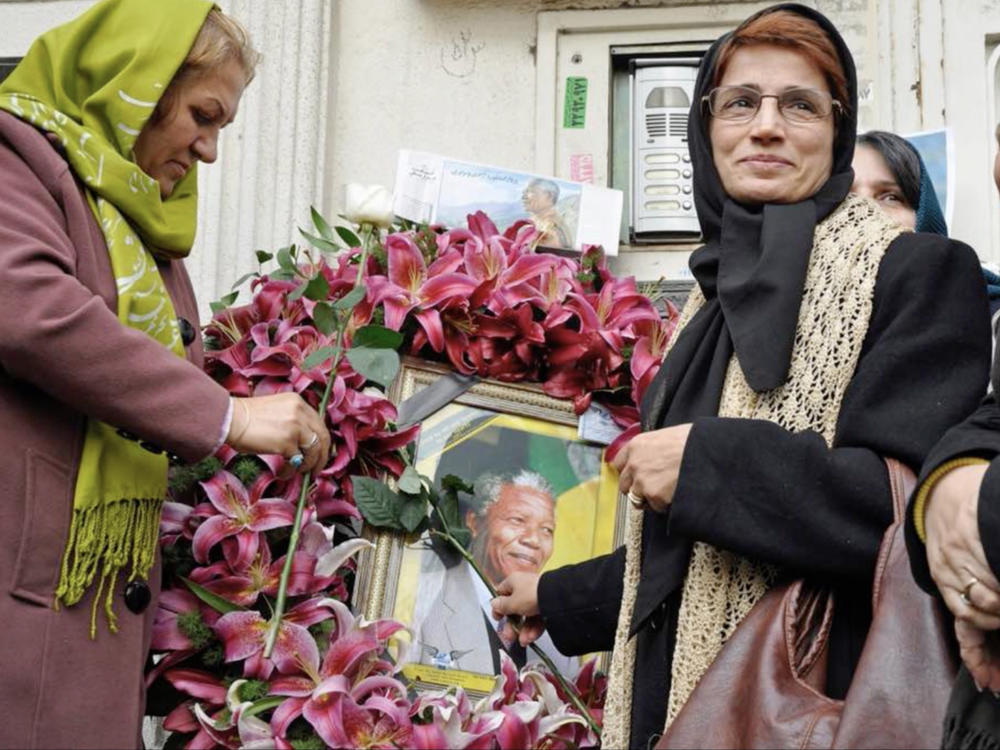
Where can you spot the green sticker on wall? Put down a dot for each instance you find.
(575, 107)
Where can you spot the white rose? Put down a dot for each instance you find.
(368, 204)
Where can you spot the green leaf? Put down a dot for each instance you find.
(286, 259)
(297, 291)
(456, 484)
(244, 277)
(349, 300)
(349, 237)
(263, 256)
(414, 511)
(462, 535)
(214, 601)
(319, 243)
(318, 288)
(324, 318)
(318, 357)
(447, 505)
(379, 505)
(224, 302)
(264, 704)
(377, 337)
(378, 365)
(409, 482)
(321, 224)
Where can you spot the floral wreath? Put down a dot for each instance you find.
(232, 667)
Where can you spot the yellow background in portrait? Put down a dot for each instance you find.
(585, 513)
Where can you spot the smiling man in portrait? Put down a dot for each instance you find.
(512, 521)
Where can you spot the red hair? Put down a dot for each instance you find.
(784, 28)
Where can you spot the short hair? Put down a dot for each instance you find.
(221, 40)
(545, 186)
(902, 160)
(487, 488)
(784, 28)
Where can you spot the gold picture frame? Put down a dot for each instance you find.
(498, 429)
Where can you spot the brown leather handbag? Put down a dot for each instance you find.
(765, 688)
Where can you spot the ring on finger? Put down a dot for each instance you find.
(296, 460)
(312, 442)
(638, 502)
(964, 596)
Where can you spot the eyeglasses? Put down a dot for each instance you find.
(741, 104)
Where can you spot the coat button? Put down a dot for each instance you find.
(187, 331)
(137, 596)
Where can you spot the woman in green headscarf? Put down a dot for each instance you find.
(101, 127)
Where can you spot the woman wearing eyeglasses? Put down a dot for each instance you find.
(811, 348)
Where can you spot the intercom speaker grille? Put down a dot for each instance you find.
(656, 125)
(679, 126)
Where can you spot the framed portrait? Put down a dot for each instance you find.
(543, 498)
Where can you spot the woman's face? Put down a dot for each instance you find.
(166, 149)
(768, 159)
(873, 179)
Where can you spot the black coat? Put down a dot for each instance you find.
(756, 489)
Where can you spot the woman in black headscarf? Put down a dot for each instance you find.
(811, 348)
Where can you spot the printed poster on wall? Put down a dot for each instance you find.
(435, 189)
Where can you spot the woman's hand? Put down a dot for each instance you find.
(517, 595)
(282, 423)
(650, 463)
(955, 552)
(979, 652)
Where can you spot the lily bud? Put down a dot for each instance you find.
(368, 204)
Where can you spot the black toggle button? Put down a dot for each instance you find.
(137, 596)
(187, 331)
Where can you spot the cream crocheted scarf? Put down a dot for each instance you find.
(721, 587)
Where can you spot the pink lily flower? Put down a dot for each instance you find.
(412, 284)
(240, 513)
(172, 605)
(346, 707)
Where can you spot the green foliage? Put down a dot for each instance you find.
(253, 690)
(216, 602)
(322, 632)
(413, 512)
(301, 736)
(318, 357)
(223, 302)
(378, 365)
(321, 224)
(248, 468)
(263, 257)
(379, 505)
(194, 628)
(213, 656)
(349, 300)
(323, 245)
(409, 482)
(377, 337)
(324, 318)
(185, 476)
(350, 238)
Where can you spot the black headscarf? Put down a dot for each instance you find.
(752, 266)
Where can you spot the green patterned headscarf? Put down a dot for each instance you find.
(93, 84)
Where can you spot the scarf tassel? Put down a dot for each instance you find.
(103, 540)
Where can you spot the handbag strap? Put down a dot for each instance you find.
(901, 482)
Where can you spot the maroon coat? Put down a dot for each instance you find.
(64, 356)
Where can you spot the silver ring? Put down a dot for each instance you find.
(637, 502)
(965, 599)
(312, 441)
(296, 460)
